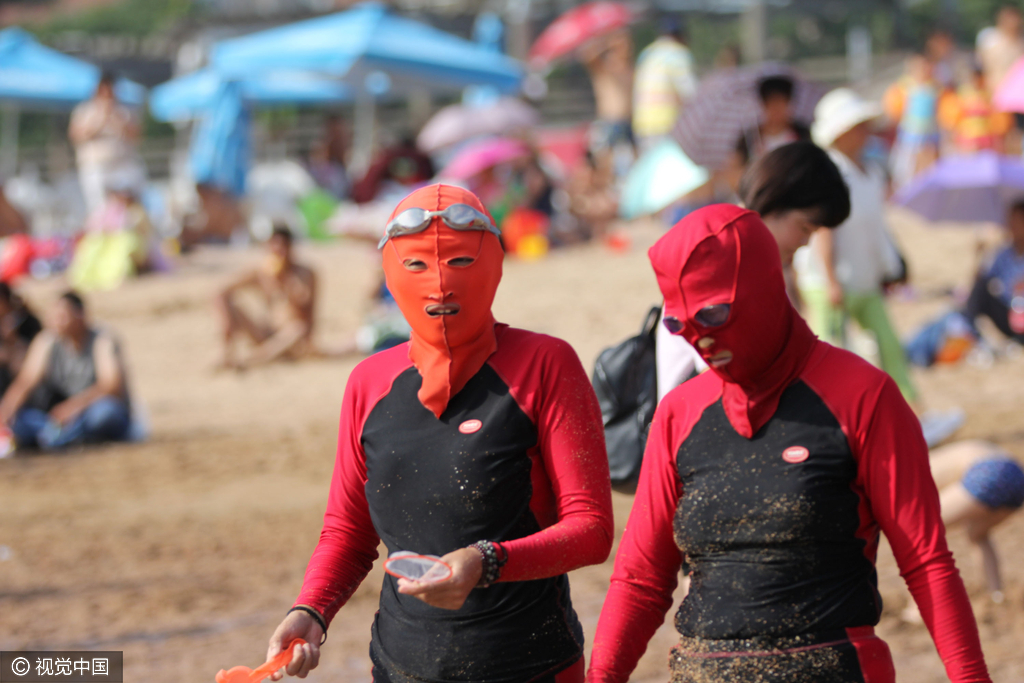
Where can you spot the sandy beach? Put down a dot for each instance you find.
(186, 551)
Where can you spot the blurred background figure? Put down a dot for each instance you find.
(609, 62)
(11, 220)
(1000, 47)
(218, 218)
(18, 327)
(797, 189)
(396, 170)
(913, 103)
(980, 486)
(592, 195)
(950, 65)
(998, 290)
(973, 122)
(119, 241)
(72, 387)
(665, 81)
(777, 126)
(328, 156)
(845, 268)
(287, 291)
(104, 133)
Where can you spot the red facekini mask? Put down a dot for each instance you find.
(720, 256)
(444, 281)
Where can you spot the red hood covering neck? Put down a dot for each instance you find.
(447, 350)
(723, 254)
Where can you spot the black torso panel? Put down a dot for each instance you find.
(769, 526)
(436, 485)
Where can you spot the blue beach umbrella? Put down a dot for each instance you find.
(190, 96)
(371, 49)
(33, 76)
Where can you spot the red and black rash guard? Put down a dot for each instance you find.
(781, 530)
(516, 457)
(773, 478)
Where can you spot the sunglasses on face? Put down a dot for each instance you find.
(714, 315)
(456, 217)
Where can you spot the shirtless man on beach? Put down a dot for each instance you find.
(289, 290)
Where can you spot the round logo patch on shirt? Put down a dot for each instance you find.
(470, 426)
(795, 454)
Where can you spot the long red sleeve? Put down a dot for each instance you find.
(648, 561)
(348, 542)
(893, 470)
(548, 381)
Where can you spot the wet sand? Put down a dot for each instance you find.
(186, 551)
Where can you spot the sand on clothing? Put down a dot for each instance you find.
(185, 552)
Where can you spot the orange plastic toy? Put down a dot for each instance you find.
(243, 674)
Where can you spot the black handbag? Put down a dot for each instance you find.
(625, 381)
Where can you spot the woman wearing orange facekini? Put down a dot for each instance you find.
(476, 442)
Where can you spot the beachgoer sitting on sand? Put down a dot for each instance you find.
(18, 327)
(289, 290)
(71, 388)
(998, 291)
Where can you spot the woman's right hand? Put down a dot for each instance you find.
(297, 624)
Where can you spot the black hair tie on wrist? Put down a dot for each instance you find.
(494, 558)
(316, 617)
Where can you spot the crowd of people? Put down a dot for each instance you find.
(774, 461)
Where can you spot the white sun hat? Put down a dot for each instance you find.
(839, 111)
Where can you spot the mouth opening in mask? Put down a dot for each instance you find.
(438, 310)
(720, 359)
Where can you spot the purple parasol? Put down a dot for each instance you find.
(976, 188)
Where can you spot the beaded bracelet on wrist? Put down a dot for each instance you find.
(494, 558)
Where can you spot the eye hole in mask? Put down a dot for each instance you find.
(414, 265)
(714, 315)
(461, 261)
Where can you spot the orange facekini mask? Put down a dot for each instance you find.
(444, 280)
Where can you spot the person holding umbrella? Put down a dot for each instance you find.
(476, 442)
(772, 476)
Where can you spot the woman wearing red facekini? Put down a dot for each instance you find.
(476, 442)
(773, 475)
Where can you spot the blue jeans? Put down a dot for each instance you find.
(105, 419)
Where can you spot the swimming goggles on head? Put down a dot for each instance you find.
(714, 315)
(456, 217)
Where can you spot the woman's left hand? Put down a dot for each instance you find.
(467, 567)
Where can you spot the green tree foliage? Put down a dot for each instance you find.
(129, 17)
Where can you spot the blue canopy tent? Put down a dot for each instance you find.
(377, 53)
(33, 76)
(221, 148)
(367, 39)
(190, 96)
